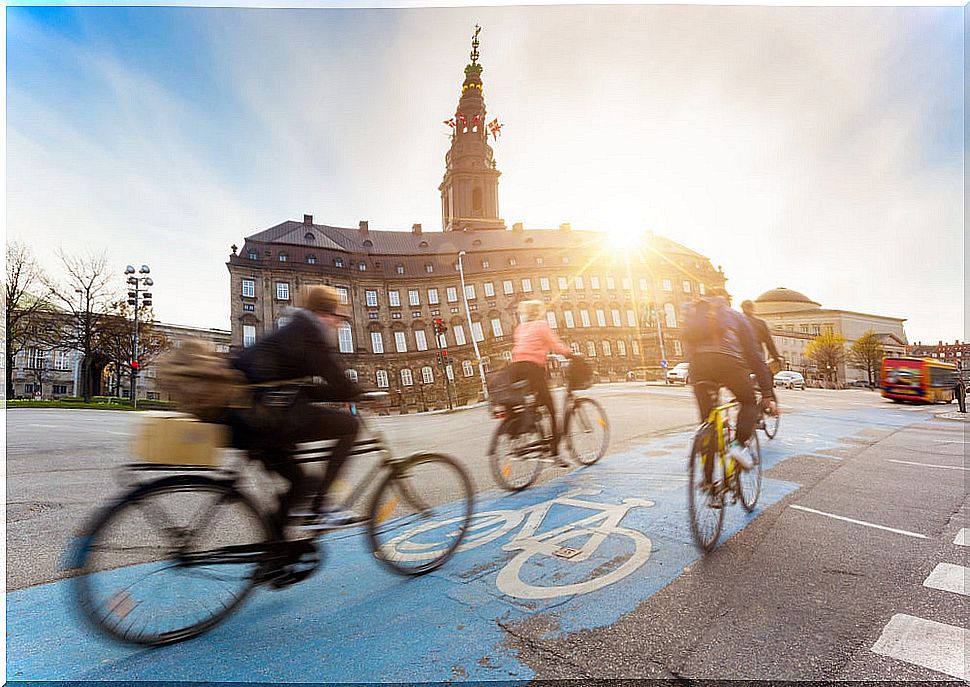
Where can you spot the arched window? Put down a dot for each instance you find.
(311, 259)
(670, 315)
(467, 369)
(406, 378)
(309, 236)
(382, 379)
(427, 375)
(352, 375)
(345, 338)
(368, 244)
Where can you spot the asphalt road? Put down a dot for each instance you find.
(850, 568)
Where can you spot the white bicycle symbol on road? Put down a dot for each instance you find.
(423, 541)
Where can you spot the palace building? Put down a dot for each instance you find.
(617, 307)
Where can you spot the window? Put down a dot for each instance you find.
(621, 347)
(635, 347)
(427, 375)
(249, 288)
(507, 287)
(670, 315)
(667, 286)
(406, 378)
(513, 262)
(36, 358)
(578, 282)
(594, 282)
(284, 257)
(371, 298)
(311, 259)
(429, 268)
(338, 262)
(382, 379)
(484, 264)
(433, 296)
(60, 389)
(489, 289)
(610, 283)
(701, 289)
(606, 349)
(627, 284)
(544, 283)
(565, 259)
(459, 334)
(452, 294)
(527, 286)
(686, 286)
(678, 350)
(361, 266)
(497, 326)
(376, 342)
(469, 291)
(414, 297)
(400, 342)
(631, 318)
(352, 375)
(591, 349)
(450, 372)
(399, 269)
(345, 338)
(249, 307)
(253, 255)
(617, 318)
(62, 360)
(574, 347)
(394, 298)
(421, 339)
(477, 333)
(249, 335)
(567, 315)
(467, 369)
(282, 291)
(551, 319)
(563, 283)
(584, 317)
(539, 261)
(644, 286)
(600, 318)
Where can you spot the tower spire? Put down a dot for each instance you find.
(469, 190)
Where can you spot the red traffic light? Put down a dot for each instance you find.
(134, 364)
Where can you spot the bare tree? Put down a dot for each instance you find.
(827, 351)
(866, 353)
(26, 305)
(87, 295)
(116, 339)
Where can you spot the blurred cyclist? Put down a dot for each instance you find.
(763, 336)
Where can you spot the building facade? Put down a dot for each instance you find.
(614, 306)
(957, 352)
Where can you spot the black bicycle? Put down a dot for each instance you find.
(521, 444)
(173, 556)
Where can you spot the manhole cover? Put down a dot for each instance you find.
(566, 552)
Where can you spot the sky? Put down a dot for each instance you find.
(820, 149)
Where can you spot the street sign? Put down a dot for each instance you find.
(663, 364)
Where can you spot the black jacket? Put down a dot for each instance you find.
(763, 335)
(298, 350)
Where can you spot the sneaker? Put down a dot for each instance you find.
(741, 455)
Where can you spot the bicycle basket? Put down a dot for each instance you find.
(579, 375)
(502, 393)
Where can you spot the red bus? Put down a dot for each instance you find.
(921, 380)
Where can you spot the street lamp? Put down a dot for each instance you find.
(655, 314)
(471, 329)
(137, 297)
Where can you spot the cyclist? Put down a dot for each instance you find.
(533, 340)
(722, 349)
(763, 336)
(301, 348)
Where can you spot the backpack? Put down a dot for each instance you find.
(706, 324)
(202, 382)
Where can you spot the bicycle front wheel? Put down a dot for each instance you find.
(705, 505)
(749, 481)
(168, 561)
(420, 513)
(516, 456)
(587, 431)
(770, 425)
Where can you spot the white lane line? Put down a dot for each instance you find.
(926, 643)
(962, 538)
(949, 578)
(859, 522)
(927, 465)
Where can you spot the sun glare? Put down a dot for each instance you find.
(624, 238)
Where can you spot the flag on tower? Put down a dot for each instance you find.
(450, 122)
(495, 128)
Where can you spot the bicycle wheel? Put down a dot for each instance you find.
(704, 505)
(515, 456)
(587, 431)
(769, 423)
(749, 481)
(420, 513)
(168, 561)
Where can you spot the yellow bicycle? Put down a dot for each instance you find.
(713, 477)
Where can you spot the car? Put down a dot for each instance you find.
(679, 373)
(790, 380)
(858, 384)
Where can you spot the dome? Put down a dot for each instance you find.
(782, 300)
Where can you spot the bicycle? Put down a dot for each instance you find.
(713, 477)
(174, 556)
(520, 445)
(767, 422)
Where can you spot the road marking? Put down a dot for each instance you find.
(926, 643)
(859, 522)
(961, 538)
(949, 578)
(927, 465)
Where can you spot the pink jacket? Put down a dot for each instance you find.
(534, 340)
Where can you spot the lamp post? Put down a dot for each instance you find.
(137, 297)
(468, 314)
(650, 311)
(77, 341)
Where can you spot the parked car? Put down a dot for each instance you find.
(858, 384)
(790, 380)
(679, 374)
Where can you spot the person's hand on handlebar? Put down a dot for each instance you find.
(771, 406)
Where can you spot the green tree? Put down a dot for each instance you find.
(827, 351)
(866, 353)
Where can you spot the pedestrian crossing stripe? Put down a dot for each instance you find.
(962, 539)
(926, 643)
(949, 578)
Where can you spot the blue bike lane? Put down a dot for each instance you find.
(353, 621)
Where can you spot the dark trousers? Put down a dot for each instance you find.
(271, 435)
(961, 395)
(725, 370)
(536, 376)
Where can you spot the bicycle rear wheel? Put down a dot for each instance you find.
(515, 456)
(705, 507)
(749, 481)
(587, 431)
(420, 513)
(168, 561)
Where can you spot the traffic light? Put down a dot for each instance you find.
(134, 366)
(437, 358)
(439, 326)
